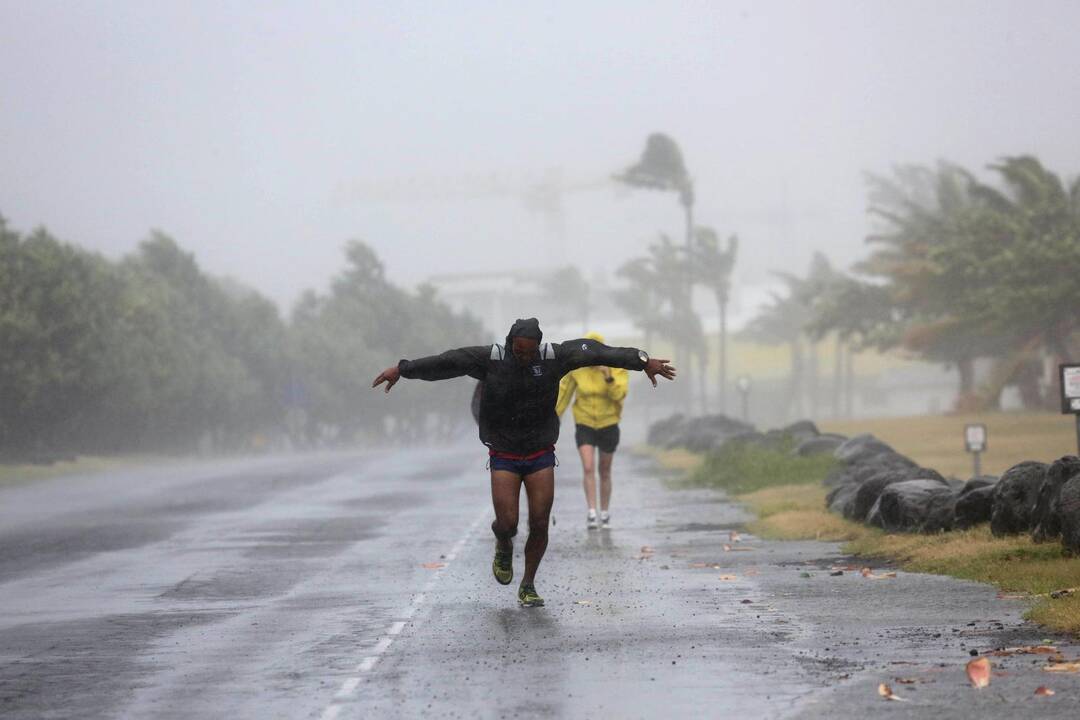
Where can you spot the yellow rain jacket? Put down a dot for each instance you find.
(598, 403)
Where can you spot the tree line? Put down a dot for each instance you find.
(150, 353)
(959, 270)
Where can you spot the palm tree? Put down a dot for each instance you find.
(711, 266)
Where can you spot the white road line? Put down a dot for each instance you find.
(349, 685)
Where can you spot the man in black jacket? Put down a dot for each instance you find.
(519, 425)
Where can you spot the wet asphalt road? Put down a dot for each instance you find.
(357, 586)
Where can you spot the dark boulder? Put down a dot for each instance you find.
(840, 498)
(861, 448)
(973, 507)
(870, 490)
(664, 433)
(924, 505)
(1014, 498)
(1069, 515)
(710, 432)
(859, 472)
(800, 431)
(1046, 525)
(978, 482)
(819, 445)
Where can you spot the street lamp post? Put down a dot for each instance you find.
(743, 386)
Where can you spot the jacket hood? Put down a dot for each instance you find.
(524, 327)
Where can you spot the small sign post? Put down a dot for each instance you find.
(1070, 394)
(743, 385)
(975, 443)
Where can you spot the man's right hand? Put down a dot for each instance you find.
(390, 376)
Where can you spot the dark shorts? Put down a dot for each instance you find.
(607, 439)
(523, 467)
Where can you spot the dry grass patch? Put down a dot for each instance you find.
(806, 525)
(797, 512)
(936, 441)
(1063, 614)
(677, 459)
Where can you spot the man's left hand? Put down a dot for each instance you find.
(656, 366)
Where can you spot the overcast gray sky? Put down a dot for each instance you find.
(263, 135)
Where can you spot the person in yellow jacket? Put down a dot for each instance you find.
(598, 393)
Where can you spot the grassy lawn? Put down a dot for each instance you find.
(787, 496)
(19, 473)
(937, 441)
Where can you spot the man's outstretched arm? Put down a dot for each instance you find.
(583, 352)
(450, 364)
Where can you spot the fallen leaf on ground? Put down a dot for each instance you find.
(1065, 592)
(733, 536)
(699, 565)
(906, 681)
(583, 602)
(727, 548)
(646, 550)
(886, 692)
(978, 672)
(433, 566)
(1043, 690)
(868, 574)
(751, 572)
(1063, 667)
(729, 577)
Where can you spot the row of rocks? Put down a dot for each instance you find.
(712, 432)
(876, 485)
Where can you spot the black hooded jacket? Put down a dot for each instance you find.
(517, 406)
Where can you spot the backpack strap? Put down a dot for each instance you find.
(547, 351)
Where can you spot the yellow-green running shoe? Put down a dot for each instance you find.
(503, 566)
(528, 598)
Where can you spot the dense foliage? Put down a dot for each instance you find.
(151, 353)
(961, 269)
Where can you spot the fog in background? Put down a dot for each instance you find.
(262, 136)
(372, 170)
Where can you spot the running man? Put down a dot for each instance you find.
(519, 426)
(598, 393)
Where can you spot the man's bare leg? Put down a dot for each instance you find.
(587, 454)
(505, 493)
(540, 489)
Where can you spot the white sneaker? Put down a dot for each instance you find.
(591, 521)
(605, 521)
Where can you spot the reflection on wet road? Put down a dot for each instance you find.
(360, 586)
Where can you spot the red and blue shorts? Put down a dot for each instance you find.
(522, 464)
